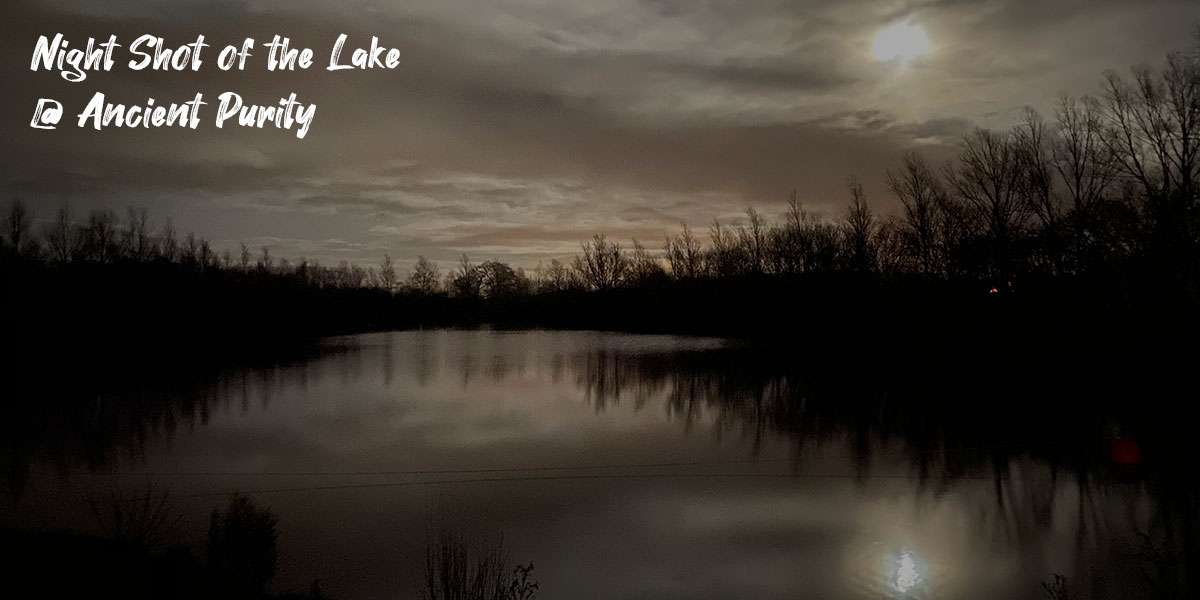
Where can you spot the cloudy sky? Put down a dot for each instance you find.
(513, 129)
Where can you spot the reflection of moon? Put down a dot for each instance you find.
(902, 42)
(893, 570)
(906, 572)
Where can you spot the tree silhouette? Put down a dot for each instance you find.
(456, 569)
(424, 278)
(602, 265)
(1155, 120)
(685, 255)
(498, 280)
(147, 520)
(860, 229)
(643, 267)
(988, 178)
(923, 199)
(1085, 164)
(169, 248)
(556, 277)
(241, 545)
(59, 236)
(16, 229)
(466, 282)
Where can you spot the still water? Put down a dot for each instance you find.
(621, 466)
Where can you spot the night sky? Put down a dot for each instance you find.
(514, 129)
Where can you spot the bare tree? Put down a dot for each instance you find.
(387, 274)
(603, 265)
(1156, 120)
(242, 545)
(921, 194)
(100, 235)
(466, 281)
(804, 242)
(726, 256)
(860, 229)
(1155, 123)
(170, 245)
(16, 227)
(555, 277)
(685, 255)
(643, 266)
(498, 280)
(1083, 157)
(988, 179)
(1084, 162)
(205, 257)
(60, 236)
(425, 276)
(458, 570)
(358, 276)
(1031, 140)
(191, 250)
(891, 253)
(265, 263)
(146, 519)
(754, 240)
(135, 240)
(787, 242)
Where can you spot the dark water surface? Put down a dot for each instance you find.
(625, 466)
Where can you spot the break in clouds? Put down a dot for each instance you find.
(514, 129)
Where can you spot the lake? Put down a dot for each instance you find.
(622, 466)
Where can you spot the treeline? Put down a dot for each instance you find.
(141, 552)
(1102, 193)
(104, 238)
(1105, 190)
(104, 288)
(1096, 203)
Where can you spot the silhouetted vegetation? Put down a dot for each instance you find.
(145, 520)
(1090, 211)
(241, 547)
(127, 560)
(479, 569)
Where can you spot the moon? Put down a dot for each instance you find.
(901, 42)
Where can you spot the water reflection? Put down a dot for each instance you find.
(907, 576)
(635, 466)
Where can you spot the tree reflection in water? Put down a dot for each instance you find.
(1052, 443)
(1046, 442)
